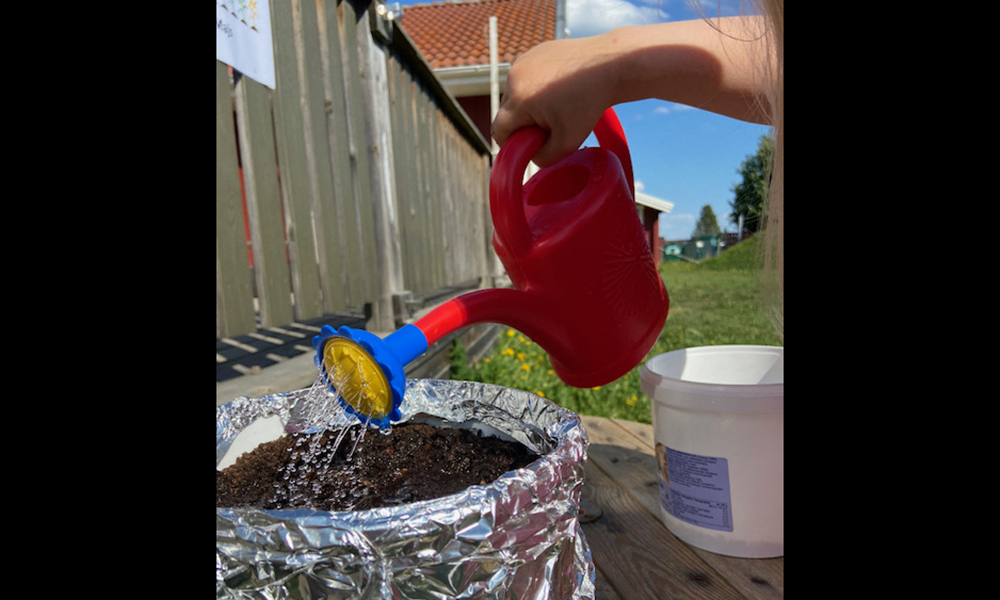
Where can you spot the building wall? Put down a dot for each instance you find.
(478, 109)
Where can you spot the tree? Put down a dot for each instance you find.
(751, 192)
(707, 223)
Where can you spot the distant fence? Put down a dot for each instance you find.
(357, 181)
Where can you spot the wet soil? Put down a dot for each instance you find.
(412, 462)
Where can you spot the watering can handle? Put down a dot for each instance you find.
(611, 136)
(506, 182)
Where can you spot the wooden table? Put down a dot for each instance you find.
(636, 556)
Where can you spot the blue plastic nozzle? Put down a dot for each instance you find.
(366, 372)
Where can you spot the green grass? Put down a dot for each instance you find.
(717, 301)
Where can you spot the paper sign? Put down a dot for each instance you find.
(243, 38)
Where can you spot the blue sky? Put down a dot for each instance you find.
(683, 155)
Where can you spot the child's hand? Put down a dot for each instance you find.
(563, 87)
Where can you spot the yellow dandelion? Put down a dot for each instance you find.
(596, 387)
(511, 333)
(521, 339)
(508, 352)
(551, 372)
(631, 401)
(525, 367)
(520, 356)
(540, 393)
(487, 360)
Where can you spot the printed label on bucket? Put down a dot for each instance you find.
(695, 489)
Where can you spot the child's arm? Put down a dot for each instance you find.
(564, 86)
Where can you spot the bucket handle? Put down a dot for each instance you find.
(506, 181)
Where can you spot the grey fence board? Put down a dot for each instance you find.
(354, 230)
(234, 293)
(263, 201)
(359, 146)
(378, 127)
(296, 158)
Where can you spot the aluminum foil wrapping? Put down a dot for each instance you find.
(518, 537)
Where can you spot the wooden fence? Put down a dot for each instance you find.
(356, 182)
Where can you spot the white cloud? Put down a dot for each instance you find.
(676, 226)
(592, 17)
(670, 108)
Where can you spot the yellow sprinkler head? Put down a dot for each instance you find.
(366, 372)
(356, 376)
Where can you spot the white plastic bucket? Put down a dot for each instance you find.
(718, 422)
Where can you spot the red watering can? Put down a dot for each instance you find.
(585, 285)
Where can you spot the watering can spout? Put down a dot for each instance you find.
(585, 350)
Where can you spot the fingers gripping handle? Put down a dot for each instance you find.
(506, 181)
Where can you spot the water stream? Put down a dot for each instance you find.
(322, 414)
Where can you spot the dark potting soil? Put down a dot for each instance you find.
(412, 462)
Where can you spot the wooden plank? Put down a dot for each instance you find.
(348, 242)
(325, 210)
(234, 292)
(629, 461)
(256, 136)
(426, 252)
(407, 158)
(477, 204)
(400, 161)
(603, 590)
(624, 449)
(367, 266)
(493, 265)
(429, 179)
(293, 148)
(642, 431)
(479, 166)
(378, 128)
(637, 555)
(456, 224)
(445, 197)
(437, 231)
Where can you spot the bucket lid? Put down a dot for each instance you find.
(729, 378)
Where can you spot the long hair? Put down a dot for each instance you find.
(770, 71)
(774, 250)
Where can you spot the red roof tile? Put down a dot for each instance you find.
(453, 34)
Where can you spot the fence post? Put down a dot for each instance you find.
(373, 65)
